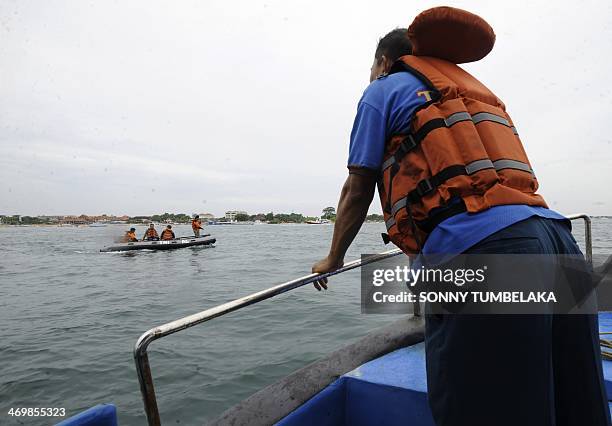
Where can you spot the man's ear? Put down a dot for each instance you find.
(387, 64)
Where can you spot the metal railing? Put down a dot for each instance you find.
(141, 357)
(588, 237)
(140, 350)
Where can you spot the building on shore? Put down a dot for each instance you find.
(231, 214)
(75, 220)
(140, 219)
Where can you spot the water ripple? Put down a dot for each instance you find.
(71, 316)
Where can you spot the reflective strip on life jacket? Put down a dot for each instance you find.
(487, 116)
(478, 165)
(400, 204)
(426, 186)
(512, 164)
(457, 117)
(387, 163)
(413, 140)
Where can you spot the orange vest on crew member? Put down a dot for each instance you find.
(463, 153)
(151, 233)
(129, 236)
(167, 234)
(196, 224)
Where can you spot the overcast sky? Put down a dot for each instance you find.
(138, 107)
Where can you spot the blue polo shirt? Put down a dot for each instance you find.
(386, 108)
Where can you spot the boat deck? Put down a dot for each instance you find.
(385, 389)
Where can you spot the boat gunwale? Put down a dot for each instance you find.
(297, 388)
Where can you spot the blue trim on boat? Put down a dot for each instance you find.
(605, 325)
(388, 390)
(383, 391)
(100, 415)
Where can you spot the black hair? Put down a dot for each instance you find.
(394, 45)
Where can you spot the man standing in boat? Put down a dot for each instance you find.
(196, 225)
(453, 178)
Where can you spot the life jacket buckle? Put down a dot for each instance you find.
(409, 143)
(424, 187)
(385, 237)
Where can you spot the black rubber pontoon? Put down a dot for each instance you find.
(180, 242)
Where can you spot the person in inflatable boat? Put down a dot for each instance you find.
(130, 236)
(196, 225)
(150, 234)
(168, 233)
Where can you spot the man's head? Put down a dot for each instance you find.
(169, 227)
(390, 48)
(132, 229)
(152, 225)
(196, 217)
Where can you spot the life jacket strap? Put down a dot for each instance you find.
(412, 140)
(428, 225)
(428, 185)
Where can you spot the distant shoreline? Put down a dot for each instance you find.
(159, 223)
(54, 225)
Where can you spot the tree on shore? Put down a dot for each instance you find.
(329, 213)
(241, 217)
(375, 217)
(171, 217)
(10, 220)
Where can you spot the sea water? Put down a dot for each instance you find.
(70, 316)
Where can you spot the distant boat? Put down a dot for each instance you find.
(318, 221)
(97, 225)
(219, 222)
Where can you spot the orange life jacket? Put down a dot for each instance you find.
(129, 236)
(196, 224)
(167, 234)
(462, 153)
(151, 232)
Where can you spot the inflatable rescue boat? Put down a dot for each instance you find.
(180, 242)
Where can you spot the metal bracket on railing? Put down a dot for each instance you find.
(140, 350)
